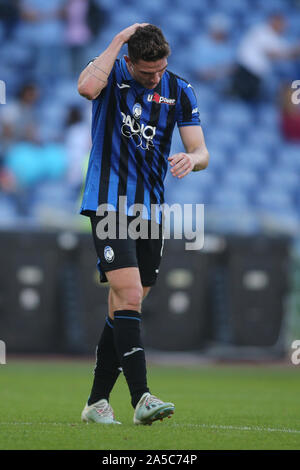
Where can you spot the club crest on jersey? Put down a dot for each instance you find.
(109, 254)
(137, 110)
(160, 99)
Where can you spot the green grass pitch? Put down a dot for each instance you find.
(217, 407)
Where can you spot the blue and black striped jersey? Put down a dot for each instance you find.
(132, 129)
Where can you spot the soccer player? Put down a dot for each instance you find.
(136, 104)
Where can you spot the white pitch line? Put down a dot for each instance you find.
(241, 428)
(207, 426)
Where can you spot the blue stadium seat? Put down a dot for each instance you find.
(289, 157)
(53, 112)
(234, 221)
(191, 196)
(218, 158)
(65, 93)
(8, 211)
(2, 32)
(229, 198)
(252, 158)
(283, 179)
(268, 117)
(275, 5)
(205, 95)
(125, 16)
(233, 6)
(264, 137)
(241, 178)
(226, 139)
(274, 200)
(16, 54)
(54, 194)
(234, 114)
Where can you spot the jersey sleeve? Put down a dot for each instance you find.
(188, 113)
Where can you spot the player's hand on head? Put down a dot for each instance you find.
(181, 164)
(128, 32)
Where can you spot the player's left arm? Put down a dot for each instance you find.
(195, 157)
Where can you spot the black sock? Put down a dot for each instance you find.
(131, 352)
(107, 368)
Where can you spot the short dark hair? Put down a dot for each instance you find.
(148, 43)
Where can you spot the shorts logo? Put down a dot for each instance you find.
(160, 99)
(137, 110)
(109, 254)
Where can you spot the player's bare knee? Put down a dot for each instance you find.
(129, 298)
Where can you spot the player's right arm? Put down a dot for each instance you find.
(94, 77)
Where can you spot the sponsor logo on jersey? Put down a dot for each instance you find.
(141, 134)
(160, 99)
(109, 254)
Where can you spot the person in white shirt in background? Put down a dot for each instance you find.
(259, 48)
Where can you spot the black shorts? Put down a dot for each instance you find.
(115, 253)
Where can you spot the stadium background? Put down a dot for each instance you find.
(237, 298)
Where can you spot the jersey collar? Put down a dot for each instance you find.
(125, 73)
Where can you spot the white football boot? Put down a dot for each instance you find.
(150, 409)
(99, 412)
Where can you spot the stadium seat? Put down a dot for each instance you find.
(233, 6)
(65, 93)
(241, 178)
(283, 179)
(236, 221)
(264, 137)
(268, 116)
(289, 157)
(8, 211)
(253, 159)
(273, 199)
(275, 5)
(229, 198)
(234, 114)
(226, 139)
(16, 54)
(218, 158)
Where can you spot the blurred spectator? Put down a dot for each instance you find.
(290, 114)
(77, 145)
(9, 15)
(214, 54)
(97, 17)
(43, 29)
(78, 33)
(261, 45)
(20, 119)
